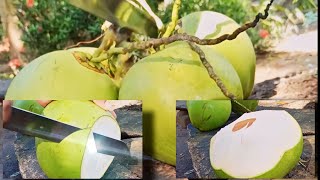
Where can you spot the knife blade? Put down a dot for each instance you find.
(36, 125)
(133, 14)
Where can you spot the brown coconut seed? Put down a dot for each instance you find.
(245, 123)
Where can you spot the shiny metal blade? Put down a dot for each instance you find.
(114, 147)
(36, 125)
(31, 124)
(123, 13)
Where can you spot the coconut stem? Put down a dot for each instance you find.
(185, 37)
(210, 70)
(174, 18)
(108, 39)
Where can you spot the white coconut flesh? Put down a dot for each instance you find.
(95, 164)
(254, 143)
(204, 28)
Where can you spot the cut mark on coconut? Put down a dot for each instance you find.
(245, 123)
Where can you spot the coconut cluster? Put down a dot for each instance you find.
(171, 74)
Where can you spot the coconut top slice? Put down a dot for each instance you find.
(254, 143)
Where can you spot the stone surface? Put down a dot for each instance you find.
(124, 168)
(26, 154)
(184, 167)
(20, 155)
(116, 104)
(130, 121)
(8, 156)
(196, 163)
(181, 105)
(182, 118)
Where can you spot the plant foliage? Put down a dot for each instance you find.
(52, 25)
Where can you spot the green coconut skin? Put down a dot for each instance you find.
(239, 52)
(166, 76)
(29, 105)
(58, 75)
(284, 166)
(207, 115)
(64, 159)
(249, 104)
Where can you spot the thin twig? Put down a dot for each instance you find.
(84, 42)
(210, 70)
(185, 37)
(247, 110)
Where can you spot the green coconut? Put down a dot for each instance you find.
(261, 144)
(29, 105)
(207, 115)
(76, 156)
(58, 75)
(239, 52)
(242, 106)
(169, 75)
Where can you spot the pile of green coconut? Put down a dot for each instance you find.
(156, 75)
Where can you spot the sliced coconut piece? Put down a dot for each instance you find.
(76, 155)
(94, 164)
(259, 144)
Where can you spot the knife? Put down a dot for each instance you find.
(133, 14)
(36, 125)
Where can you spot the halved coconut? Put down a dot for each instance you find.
(262, 144)
(76, 156)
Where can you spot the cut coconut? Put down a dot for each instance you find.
(94, 164)
(262, 144)
(76, 156)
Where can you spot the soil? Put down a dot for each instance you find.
(286, 75)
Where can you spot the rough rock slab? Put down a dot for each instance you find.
(198, 146)
(26, 154)
(22, 149)
(181, 105)
(127, 168)
(8, 157)
(184, 167)
(130, 120)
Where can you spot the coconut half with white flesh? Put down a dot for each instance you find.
(261, 144)
(76, 156)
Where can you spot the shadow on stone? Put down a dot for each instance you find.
(265, 89)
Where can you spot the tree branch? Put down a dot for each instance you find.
(185, 37)
(210, 70)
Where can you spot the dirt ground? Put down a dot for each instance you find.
(286, 75)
